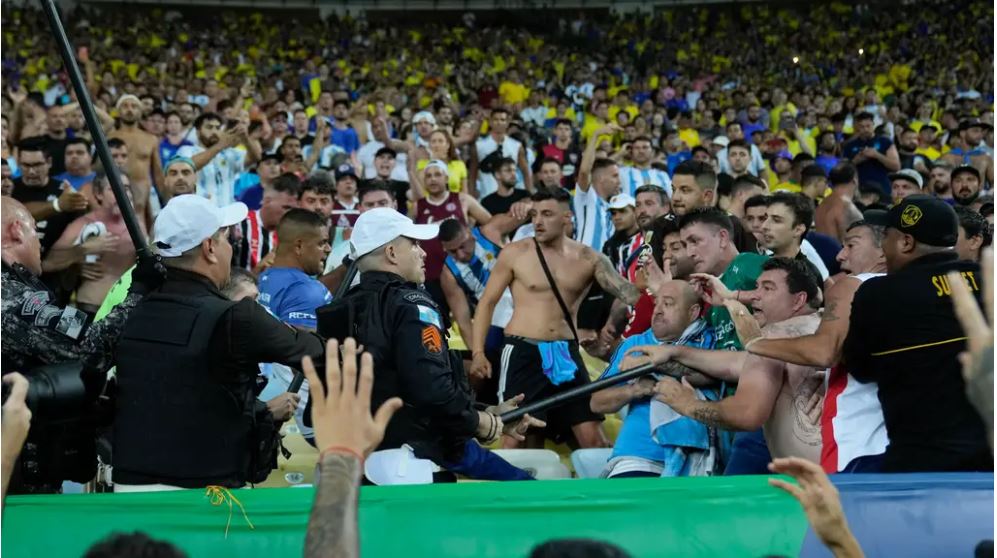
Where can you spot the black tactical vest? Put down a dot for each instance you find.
(174, 422)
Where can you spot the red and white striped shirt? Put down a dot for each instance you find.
(852, 423)
(256, 241)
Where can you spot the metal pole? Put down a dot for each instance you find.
(93, 124)
(580, 391)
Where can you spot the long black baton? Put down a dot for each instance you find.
(578, 392)
(90, 115)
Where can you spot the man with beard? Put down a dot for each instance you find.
(694, 186)
(965, 184)
(540, 323)
(874, 156)
(652, 202)
(907, 149)
(852, 428)
(906, 182)
(144, 166)
(267, 170)
(219, 162)
(971, 152)
(502, 199)
(827, 148)
(784, 399)
(940, 181)
(640, 171)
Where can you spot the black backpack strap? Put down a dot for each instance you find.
(557, 293)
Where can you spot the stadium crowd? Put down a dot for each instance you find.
(774, 207)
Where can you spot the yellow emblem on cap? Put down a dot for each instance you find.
(911, 215)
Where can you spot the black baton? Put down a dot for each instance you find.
(90, 115)
(577, 392)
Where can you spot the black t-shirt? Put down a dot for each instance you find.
(50, 229)
(57, 151)
(903, 334)
(398, 187)
(496, 204)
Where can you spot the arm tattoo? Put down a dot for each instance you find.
(829, 315)
(332, 526)
(610, 280)
(709, 414)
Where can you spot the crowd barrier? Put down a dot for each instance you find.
(892, 515)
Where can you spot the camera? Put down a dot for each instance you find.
(57, 391)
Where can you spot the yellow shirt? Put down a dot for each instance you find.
(929, 152)
(513, 93)
(592, 123)
(690, 136)
(632, 110)
(457, 173)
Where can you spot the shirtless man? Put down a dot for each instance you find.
(538, 324)
(144, 167)
(782, 398)
(837, 212)
(100, 272)
(852, 427)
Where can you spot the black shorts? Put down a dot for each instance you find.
(594, 309)
(521, 371)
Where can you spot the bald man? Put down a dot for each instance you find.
(36, 332)
(636, 452)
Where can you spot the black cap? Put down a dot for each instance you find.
(345, 170)
(271, 156)
(970, 123)
(386, 151)
(929, 220)
(966, 169)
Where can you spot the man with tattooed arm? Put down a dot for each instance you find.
(783, 398)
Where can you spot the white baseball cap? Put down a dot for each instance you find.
(379, 226)
(188, 220)
(722, 141)
(424, 115)
(621, 201)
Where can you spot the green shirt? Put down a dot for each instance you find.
(116, 295)
(740, 275)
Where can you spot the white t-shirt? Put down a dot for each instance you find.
(366, 155)
(216, 180)
(325, 158)
(486, 146)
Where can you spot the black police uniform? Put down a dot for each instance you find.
(903, 334)
(186, 408)
(400, 325)
(37, 332)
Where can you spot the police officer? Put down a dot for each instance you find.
(37, 332)
(401, 327)
(187, 413)
(903, 334)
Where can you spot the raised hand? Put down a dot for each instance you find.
(341, 407)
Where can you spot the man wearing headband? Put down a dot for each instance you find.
(143, 154)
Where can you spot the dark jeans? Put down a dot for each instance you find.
(481, 464)
(635, 474)
(749, 455)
